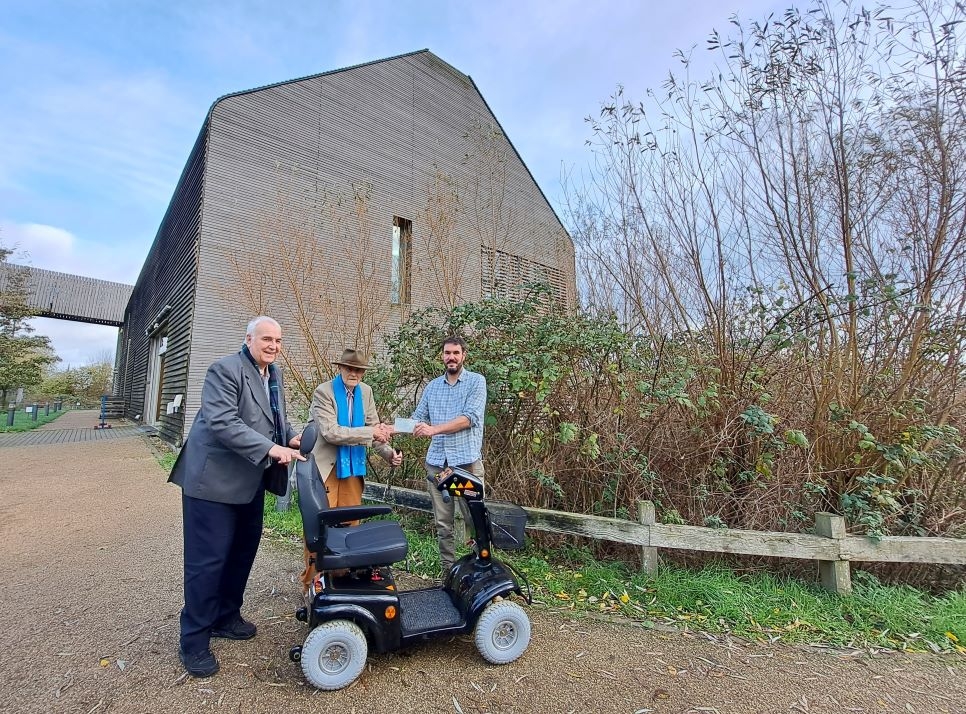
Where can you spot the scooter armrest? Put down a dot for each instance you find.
(335, 516)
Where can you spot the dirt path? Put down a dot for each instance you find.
(90, 589)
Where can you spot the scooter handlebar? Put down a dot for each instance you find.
(441, 489)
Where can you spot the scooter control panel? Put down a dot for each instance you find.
(459, 482)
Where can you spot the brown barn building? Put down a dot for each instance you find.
(337, 203)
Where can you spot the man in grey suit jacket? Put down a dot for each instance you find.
(239, 434)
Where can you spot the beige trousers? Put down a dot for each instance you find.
(444, 514)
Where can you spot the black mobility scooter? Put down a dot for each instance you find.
(353, 603)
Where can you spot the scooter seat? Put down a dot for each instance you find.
(368, 544)
(375, 543)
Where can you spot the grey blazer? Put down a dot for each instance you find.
(226, 451)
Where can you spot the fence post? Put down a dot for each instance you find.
(459, 525)
(33, 414)
(834, 574)
(646, 516)
(283, 503)
(11, 413)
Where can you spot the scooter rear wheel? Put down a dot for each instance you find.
(502, 632)
(334, 654)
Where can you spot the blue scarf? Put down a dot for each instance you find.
(273, 397)
(350, 460)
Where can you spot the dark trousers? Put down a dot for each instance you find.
(220, 543)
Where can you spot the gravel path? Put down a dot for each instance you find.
(90, 589)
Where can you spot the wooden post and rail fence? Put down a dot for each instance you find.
(830, 545)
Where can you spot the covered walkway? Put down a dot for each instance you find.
(75, 425)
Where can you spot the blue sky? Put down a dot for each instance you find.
(101, 100)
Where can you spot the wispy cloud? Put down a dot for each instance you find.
(102, 136)
(75, 343)
(52, 248)
(102, 100)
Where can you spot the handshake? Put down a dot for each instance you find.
(383, 433)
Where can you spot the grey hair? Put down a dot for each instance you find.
(259, 320)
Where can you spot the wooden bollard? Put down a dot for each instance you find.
(646, 516)
(834, 574)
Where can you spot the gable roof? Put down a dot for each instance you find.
(465, 77)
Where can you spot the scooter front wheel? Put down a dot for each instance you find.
(502, 632)
(334, 654)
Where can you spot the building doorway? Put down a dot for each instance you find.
(155, 383)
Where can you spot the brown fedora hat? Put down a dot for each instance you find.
(353, 358)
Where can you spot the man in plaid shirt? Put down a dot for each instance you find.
(450, 412)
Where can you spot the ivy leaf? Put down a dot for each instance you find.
(567, 433)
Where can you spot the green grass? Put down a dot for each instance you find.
(167, 459)
(714, 599)
(284, 523)
(23, 422)
(759, 606)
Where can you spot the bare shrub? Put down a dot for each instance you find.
(334, 298)
(790, 237)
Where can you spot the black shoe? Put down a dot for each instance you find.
(237, 629)
(199, 664)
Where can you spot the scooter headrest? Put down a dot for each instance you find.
(309, 434)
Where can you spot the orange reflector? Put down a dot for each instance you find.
(391, 612)
(485, 553)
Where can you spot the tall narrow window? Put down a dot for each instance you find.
(401, 271)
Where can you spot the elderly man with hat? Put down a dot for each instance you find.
(345, 414)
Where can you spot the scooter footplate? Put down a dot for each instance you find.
(427, 610)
